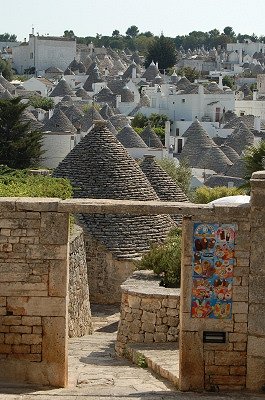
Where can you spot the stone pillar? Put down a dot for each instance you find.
(256, 318)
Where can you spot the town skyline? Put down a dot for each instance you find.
(87, 19)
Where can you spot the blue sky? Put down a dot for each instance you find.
(88, 17)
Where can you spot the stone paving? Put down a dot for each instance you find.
(96, 374)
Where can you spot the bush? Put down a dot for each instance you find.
(165, 259)
(204, 195)
(19, 183)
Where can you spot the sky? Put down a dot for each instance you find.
(89, 17)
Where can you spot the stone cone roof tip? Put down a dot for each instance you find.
(240, 138)
(129, 138)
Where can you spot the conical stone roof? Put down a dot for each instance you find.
(229, 152)
(62, 89)
(7, 85)
(129, 138)
(5, 95)
(197, 143)
(83, 94)
(74, 114)
(106, 112)
(240, 138)
(162, 183)
(119, 121)
(100, 167)
(59, 123)
(214, 159)
(111, 128)
(150, 138)
(238, 169)
(151, 72)
(127, 95)
(129, 70)
(105, 95)
(88, 119)
(94, 77)
(183, 83)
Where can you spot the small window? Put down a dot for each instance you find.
(183, 100)
(31, 56)
(242, 113)
(177, 131)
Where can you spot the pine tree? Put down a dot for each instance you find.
(20, 146)
(163, 51)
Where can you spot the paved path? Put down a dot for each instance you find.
(96, 374)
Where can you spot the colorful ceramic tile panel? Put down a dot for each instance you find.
(212, 270)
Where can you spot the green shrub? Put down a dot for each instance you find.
(19, 183)
(181, 174)
(165, 259)
(204, 194)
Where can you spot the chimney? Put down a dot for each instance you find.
(118, 100)
(32, 31)
(257, 123)
(220, 83)
(167, 134)
(134, 73)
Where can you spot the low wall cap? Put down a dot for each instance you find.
(258, 175)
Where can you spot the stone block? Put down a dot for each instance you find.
(20, 329)
(240, 327)
(35, 348)
(2, 301)
(12, 338)
(256, 289)
(10, 320)
(148, 337)
(240, 307)
(240, 293)
(147, 327)
(255, 373)
(228, 381)
(54, 228)
(256, 319)
(21, 348)
(47, 252)
(230, 358)
(150, 304)
(239, 318)
(188, 323)
(23, 289)
(256, 346)
(191, 375)
(216, 370)
(4, 328)
(134, 301)
(160, 337)
(238, 371)
(240, 346)
(54, 349)
(31, 339)
(41, 306)
(26, 357)
(208, 357)
(37, 204)
(5, 348)
(237, 337)
(30, 321)
(58, 278)
(149, 317)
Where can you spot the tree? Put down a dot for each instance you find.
(190, 73)
(46, 103)
(229, 81)
(255, 158)
(139, 121)
(163, 51)
(69, 34)
(116, 33)
(20, 146)
(7, 37)
(5, 68)
(228, 31)
(132, 31)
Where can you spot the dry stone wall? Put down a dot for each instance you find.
(79, 313)
(105, 272)
(149, 312)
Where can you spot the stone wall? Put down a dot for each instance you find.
(149, 312)
(33, 287)
(79, 313)
(105, 273)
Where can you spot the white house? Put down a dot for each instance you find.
(40, 85)
(42, 52)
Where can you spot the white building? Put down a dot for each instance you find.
(42, 52)
(248, 47)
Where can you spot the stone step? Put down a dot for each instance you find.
(162, 358)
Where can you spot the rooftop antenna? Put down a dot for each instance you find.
(32, 30)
